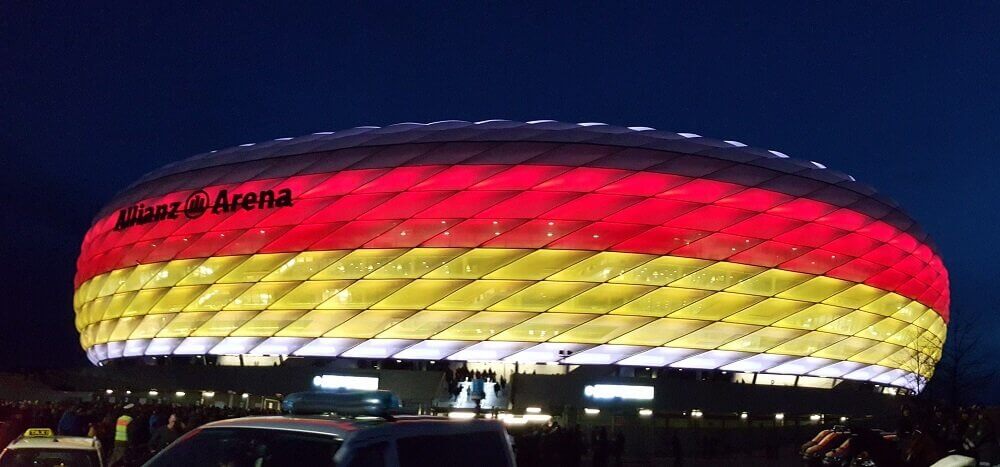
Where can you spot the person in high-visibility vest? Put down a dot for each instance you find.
(121, 435)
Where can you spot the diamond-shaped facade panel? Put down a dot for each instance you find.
(363, 245)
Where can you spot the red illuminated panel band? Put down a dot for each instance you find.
(520, 206)
(506, 241)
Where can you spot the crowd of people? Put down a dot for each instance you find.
(130, 433)
(476, 378)
(938, 430)
(923, 435)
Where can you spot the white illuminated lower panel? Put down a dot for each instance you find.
(279, 346)
(836, 370)
(604, 354)
(92, 356)
(546, 352)
(909, 381)
(101, 351)
(889, 377)
(135, 347)
(801, 366)
(510, 352)
(432, 350)
(327, 347)
(116, 349)
(163, 345)
(757, 363)
(235, 345)
(378, 348)
(659, 356)
(866, 373)
(490, 351)
(710, 360)
(196, 345)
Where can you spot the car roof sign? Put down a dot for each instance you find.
(341, 402)
(39, 433)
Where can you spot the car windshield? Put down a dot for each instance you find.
(49, 458)
(249, 447)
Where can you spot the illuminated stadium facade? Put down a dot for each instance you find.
(507, 241)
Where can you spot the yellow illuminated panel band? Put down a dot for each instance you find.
(459, 240)
(598, 298)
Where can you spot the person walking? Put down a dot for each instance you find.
(121, 436)
(165, 435)
(69, 423)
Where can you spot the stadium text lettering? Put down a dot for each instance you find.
(264, 199)
(199, 203)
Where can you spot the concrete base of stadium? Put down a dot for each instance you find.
(704, 415)
(422, 385)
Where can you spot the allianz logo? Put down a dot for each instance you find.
(200, 203)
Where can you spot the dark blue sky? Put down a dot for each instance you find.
(901, 95)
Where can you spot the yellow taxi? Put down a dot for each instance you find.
(41, 447)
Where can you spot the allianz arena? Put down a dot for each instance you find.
(515, 242)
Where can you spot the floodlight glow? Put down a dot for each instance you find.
(779, 416)
(537, 417)
(815, 417)
(180, 394)
(154, 393)
(245, 395)
(619, 391)
(462, 415)
(590, 411)
(365, 383)
(109, 391)
(533, 410)
(744, 415)
(645, 412)
(696, 413)
(208, 394)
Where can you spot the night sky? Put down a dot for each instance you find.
(902, 96)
